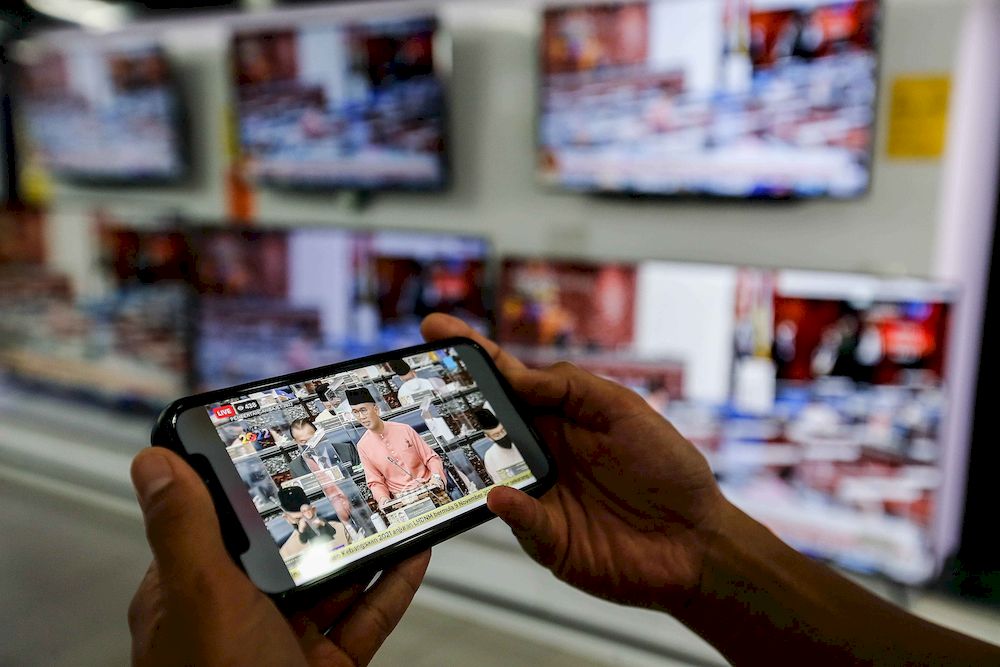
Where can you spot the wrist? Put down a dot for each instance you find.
(745, 568)
(684, 588)
(715, 567)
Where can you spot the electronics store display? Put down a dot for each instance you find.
(819, 399)
(710, 97)
(341, 465)
(101, 109)
(328, 104)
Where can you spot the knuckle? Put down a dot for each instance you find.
(564, 367)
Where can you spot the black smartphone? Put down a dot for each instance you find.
(327, 473)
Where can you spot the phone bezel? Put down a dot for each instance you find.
(182, 428)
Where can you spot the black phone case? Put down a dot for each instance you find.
(164, 434)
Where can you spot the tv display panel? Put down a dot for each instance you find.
(819, 399)
(273, 302)
(122, 345)
(101, 112)
(754, 98)
(342, 105)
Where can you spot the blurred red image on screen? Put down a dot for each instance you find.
(811, 33)
(264, 58)
(585, 38)
(242, 263)
(393, 57)
(408, 287)
(877, 343)
(568, 305)
(145, 256)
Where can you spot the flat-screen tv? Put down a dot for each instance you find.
(124, 344)
(101, 111)
(818, 398)
(751, 99)
(330, 104)
(277, 301)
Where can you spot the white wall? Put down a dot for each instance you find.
(495, 192)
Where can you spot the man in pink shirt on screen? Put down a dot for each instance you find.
(394, 456)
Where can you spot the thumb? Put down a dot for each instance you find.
(530, 522)
(181, 525)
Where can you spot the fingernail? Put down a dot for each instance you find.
(151, 472)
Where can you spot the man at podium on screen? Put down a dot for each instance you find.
(393, 454)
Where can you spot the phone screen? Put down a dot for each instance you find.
(341, 466)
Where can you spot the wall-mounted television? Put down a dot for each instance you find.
(101, 110)
(124, 344)
(818, 398)
(771, 99)
(335, 104)
(276, 301)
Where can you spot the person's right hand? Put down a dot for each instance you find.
(635, 507)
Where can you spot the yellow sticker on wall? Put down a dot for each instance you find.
(918, 117)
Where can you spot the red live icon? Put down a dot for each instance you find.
(224, 411)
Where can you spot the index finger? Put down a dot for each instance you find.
(439, 326)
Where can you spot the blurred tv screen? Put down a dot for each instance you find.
(817, 398)
(122, 343)
(273, 302)
(747, 98)
(101, 112)
(197, 307)
(342, 104)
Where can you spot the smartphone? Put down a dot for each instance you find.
(323, 474)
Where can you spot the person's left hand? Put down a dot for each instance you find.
(196, 607)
